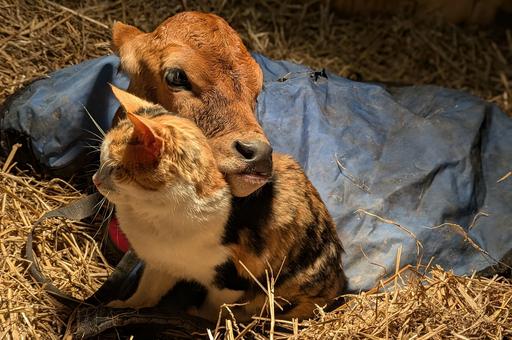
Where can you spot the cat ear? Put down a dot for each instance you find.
(128, 101)
(143, 128)
(122, 33)
(144, 131)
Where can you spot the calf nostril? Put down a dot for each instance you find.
(247, 150)
(257, 154)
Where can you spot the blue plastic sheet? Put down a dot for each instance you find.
(395, 166)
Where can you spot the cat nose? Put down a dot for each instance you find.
(257, 154)
(96, 180)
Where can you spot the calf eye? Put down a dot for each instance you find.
(177, 79)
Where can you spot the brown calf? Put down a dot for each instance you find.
(196, 64)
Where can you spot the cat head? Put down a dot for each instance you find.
(152, 155)
(196, 65)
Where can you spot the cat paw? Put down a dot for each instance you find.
(118, 304)
(194, 311)
(132, 303)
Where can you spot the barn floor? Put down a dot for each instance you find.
(37, 37)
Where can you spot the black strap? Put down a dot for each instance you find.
(75, 211)
(151, 323)
(90, 317)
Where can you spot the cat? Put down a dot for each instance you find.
(177, 211)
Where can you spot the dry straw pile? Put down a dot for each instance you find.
(408, 305)
(37, 37)
(67, 251)
(439, 306)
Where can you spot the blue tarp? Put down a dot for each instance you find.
(394, 165)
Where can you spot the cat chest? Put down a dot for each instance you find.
(190, 255)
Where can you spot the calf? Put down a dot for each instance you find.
(196, 66)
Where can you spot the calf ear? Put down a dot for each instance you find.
(121, 33)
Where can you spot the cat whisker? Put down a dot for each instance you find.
(110, 209)
(94, 142)
(106, 217)
(110, 212)
(105, 164)
(92, 149)
(98, 137)
(90, 172)
(92, 152)
(92, 146)
(94, 121)
(99, 205)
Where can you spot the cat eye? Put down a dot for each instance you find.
(177, 79)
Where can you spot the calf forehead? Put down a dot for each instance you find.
(210, 37)
(200, 30)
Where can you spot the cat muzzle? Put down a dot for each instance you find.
(96, 180)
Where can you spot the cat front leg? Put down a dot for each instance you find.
(214, 301)
(153, 285)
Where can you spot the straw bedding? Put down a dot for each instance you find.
(37, 37)
(68, 255)
(439, 306)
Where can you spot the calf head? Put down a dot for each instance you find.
(195, 65)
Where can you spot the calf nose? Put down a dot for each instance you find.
(257, 154)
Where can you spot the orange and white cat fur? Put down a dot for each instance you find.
(177, 212)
